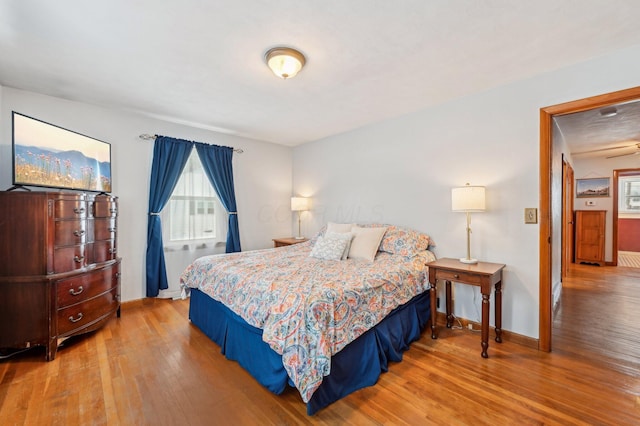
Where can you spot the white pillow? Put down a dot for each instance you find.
(329, 248)
(339, 228)
(348, 236)
(365, 242)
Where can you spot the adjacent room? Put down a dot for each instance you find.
(250, 212)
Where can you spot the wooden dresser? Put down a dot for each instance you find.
(590, 236)
(59, 270)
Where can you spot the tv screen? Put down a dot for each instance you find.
(50, 156)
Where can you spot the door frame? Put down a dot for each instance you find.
(616, 175)
(567, 217)
(546, 225)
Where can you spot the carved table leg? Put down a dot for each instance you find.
(485, 324)
(448, 297)
(434, 312)
(498, 301)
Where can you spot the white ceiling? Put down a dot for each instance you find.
(201, 62)
(595, 134)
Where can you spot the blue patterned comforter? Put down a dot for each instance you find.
(308, 309)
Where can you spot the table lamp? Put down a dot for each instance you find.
(468, 199)
(299, 204)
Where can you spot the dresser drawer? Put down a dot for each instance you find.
(104, 228)
(105, 207)
(80, 288)
(104, 250)
(70, 232)
(456, 276)
(70, 209)
(70, 258)
(81, 314)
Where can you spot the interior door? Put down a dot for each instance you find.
(568, 230)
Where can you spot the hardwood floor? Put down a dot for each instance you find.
(153, 367)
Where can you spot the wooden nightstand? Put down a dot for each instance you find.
(481, 274)
(281, 242)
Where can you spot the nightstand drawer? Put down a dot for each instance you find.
(289, 241)
(462, 277)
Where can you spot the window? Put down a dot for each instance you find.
(193, 211)
(629, 194)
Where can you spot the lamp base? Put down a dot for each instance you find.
(470, 261)
(298, 238)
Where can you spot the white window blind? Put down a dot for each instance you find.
(191, 213)
(629, 194)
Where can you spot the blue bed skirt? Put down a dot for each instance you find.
(357, 366)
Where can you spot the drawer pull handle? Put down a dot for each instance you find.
(78, 210)
(112, 250)
(78, 232)
(111, 229)
(75, 293)
(72, 319)
(456, 276)
(78, 259)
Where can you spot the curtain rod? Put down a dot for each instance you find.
(147, 137)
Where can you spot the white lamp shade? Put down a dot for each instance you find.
(468, 199)
(300, 204)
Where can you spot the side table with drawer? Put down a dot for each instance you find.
(282, 242)
(481, 274)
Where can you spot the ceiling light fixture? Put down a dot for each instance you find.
(609, 111)
(285, 62)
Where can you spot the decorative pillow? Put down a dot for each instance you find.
(404, 241)
(339, 228)
(329, 248)
(365, 242)
(344, 236)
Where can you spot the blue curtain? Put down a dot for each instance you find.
(217, 164)
(169, 158)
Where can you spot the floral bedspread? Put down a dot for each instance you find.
(308, 309)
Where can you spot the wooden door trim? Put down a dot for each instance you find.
(546, 157)
(567, 240)
(614, 248)
(616, 174)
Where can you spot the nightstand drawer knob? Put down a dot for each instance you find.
(456, 276)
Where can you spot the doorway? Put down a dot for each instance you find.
(567, 217)
(626, 216)
(550, 219)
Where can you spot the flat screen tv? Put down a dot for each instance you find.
(49, 156)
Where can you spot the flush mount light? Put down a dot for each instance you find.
(284, 61)
(609, 111)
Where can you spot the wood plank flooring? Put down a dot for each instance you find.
(152, 367)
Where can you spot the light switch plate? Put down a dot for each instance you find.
(530, 215)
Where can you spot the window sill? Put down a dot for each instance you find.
(194, 245)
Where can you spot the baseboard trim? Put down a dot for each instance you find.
(507, 336)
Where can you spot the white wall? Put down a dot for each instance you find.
(262, 175)
(401, 171)
(586, 168)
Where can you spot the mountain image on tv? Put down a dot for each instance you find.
(62, 169)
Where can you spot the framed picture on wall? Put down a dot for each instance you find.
(593, 187)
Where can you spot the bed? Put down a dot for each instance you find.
(328, 326)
